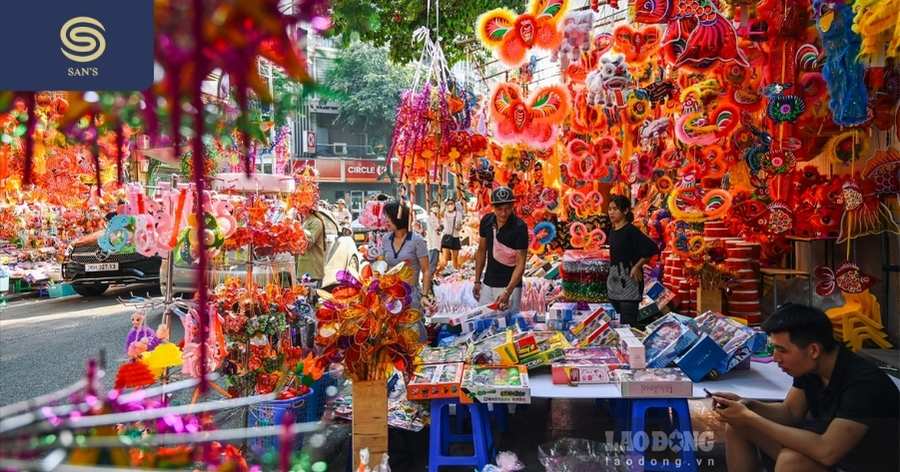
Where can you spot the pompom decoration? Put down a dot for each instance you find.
(164, 356)
(134, 374)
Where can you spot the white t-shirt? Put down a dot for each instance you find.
(452, 223)
(432, 235)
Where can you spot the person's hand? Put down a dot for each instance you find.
(727, 395)
(637, 274)
(502, 301)
(731, 411)
(476, 291)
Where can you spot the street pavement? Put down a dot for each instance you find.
(45, 343)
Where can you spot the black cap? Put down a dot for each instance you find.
(502, 195)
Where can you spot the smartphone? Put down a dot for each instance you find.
(716, 404)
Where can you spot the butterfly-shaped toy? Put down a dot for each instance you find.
(511, 36)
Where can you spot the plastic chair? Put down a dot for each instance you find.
(679, 406)
(441, 436)
(858, 320)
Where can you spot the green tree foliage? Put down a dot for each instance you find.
(391, 23)
(367, 86)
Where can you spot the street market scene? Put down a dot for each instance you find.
(458, 235)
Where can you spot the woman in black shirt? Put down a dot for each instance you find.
(629, 250)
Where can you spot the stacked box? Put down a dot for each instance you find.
(494, 384)
(743, 301)
(670, 336)
(435, 381)
(584, 276)
(587, 366)
(631, 348)
(650, 383)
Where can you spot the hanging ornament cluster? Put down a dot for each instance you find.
(431, 129)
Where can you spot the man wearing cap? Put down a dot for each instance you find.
(503, 246)
(342, 214)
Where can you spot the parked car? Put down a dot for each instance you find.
(340, 254)
(91, 270)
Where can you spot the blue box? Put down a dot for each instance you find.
(670, 337)
(701, 358)
(723, 345)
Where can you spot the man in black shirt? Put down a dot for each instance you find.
(503, 243)
(840, 414)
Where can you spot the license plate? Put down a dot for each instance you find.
(101, 267)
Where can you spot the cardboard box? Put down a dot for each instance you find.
(587, 366)
(495, 384)
(723, 345)
(443, 355)
(670, 337)
(435, 381)
(650, 383)
(550, 346)
(632, 348)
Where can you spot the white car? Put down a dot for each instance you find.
(340, 254)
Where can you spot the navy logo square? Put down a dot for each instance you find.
(77, 45)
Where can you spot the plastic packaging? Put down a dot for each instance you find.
(581, 455)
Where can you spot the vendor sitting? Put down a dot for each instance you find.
(840, 414)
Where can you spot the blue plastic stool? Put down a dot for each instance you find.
(441, 436)
(500, 415)
(679, 406)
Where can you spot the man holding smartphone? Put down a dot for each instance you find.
(840, 414)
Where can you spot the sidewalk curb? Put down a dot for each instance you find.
(14, 297)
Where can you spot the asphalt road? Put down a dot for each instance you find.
(45, 344)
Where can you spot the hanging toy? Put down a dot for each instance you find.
(636, 44)
(843, 72)
(783, 108)
(576, 38)
(607, 85)
(532, 123)
(876, 22)
(696, 32)
(511, 36)
(864, 213)
(849, 278)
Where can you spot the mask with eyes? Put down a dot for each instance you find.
(607, 85)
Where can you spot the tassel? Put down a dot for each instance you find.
(199, 183)
(29, 138)
(120, 144)
(95, 154)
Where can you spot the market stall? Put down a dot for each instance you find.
(716, 134)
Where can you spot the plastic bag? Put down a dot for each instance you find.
(581, 455)
(506, 462)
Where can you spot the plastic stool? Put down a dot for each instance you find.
(680, 408)
(500, 415)
(440, 436)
